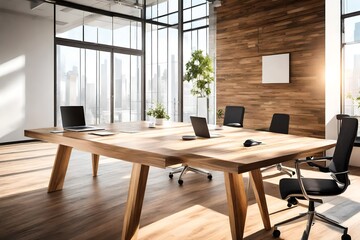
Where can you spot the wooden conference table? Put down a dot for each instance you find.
(163, 147)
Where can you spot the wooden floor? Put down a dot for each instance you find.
(93, 208)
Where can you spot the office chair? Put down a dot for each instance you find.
(280, 124)
(234, 116)
(340, 117)
(184, 169)
(306, 188)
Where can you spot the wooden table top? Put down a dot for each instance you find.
(163, 146)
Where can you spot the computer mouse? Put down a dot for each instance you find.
(234, 124)
(251, 142)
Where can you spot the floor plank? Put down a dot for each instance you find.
(93, 207)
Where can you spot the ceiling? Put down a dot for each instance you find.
(43, 9)
(68, 17)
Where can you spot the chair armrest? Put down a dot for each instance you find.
(311, 162)
(313, 159)
(301, 183)
(334, 176)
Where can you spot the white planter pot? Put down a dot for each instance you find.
(159, 121)
(202, 107)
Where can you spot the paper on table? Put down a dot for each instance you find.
(102, 133)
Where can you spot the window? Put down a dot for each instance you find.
(98, 65)
(162, 81)
(100, 59)
(350, 6)
(195, 37)
(351, 57)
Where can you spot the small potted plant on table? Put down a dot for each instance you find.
(159, 113)
(219, 118)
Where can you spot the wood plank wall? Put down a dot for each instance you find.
(250, 29)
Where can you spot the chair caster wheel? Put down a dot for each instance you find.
(171, 175)
(292, 201)
(276, 233)
(180, 182)
(345, 237)
(209, 176)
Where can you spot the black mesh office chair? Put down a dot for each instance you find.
(306, 188)
(340, 117)
(234, 116)
(280, 124)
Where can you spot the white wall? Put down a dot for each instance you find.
(26, 74)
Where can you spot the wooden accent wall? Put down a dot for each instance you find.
(250, 29)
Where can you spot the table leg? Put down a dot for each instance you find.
(134, 202)
(95, 163)
(237, 204)
(59, 169)
(258, 187)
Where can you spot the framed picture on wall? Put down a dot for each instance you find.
(276, 68)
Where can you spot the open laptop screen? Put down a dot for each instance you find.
(200, 126)
(72, 116)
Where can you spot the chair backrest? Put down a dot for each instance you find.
(339, 118)
(234, 114)
(280, 123)
(343, 149)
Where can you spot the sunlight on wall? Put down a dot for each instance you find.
(333, 63)
(12, 66)
(12, 95)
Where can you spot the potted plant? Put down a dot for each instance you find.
(159, 113)
(199, 71)
(355, 101)
(219, 118)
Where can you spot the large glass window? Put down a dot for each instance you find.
(127, 94)
(351, 57)
(90, 27)
(162, 81)
(350, 6)
(196, 37)
(84, 78)
(98, 65)
(100, 61)
(69, 23)
(127, 33)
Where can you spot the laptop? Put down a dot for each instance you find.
(73, 119)
(200, 127)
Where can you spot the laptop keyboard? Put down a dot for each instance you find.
(78, 127)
